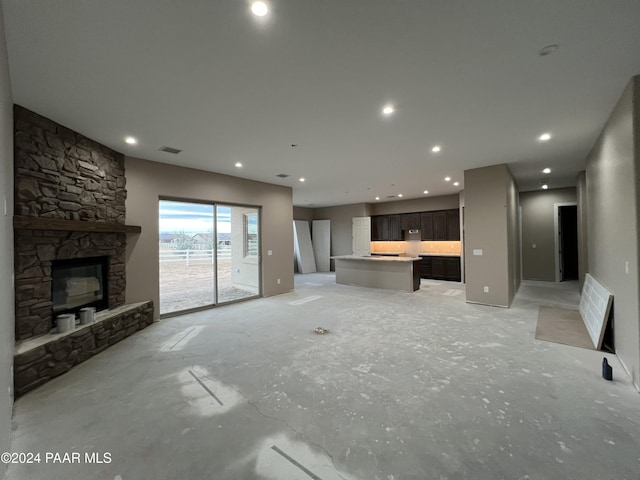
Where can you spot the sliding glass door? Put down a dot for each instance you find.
(238, 252)
(209, 254)
(187, 260)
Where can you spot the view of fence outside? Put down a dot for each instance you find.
(189, 270)
(187, 279)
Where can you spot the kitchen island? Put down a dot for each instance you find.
(391, 273)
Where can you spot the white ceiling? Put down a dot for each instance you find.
(224, 86)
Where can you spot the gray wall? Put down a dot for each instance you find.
(583, 222)
(6, 247)
(538, 229)
(148, 181)
(513, 237)
(612, 231)
(341, 230)
(490, 223)
(304, 213)
(426, 204)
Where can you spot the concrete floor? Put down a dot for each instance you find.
(405, 386)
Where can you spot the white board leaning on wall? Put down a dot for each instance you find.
(595, 305)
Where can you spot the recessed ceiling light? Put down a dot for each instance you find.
(377, 198)
(388, 109)
(426, 192)
(548, 50)
(238, 164)
(302, 179)
(545, 137)
(131, 140)
(545, 186)
(455, 184)
(546, 170)
(447, 179)
(259, 9)
(399, 195)
(436, 148)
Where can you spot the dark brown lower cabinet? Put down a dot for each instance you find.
(425, 267)
(440, 268)
(416, 275)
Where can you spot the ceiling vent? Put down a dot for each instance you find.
(391, 196)
(175, 151)
(282, 175)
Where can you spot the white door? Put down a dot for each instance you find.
(361, 228)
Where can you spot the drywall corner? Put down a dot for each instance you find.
(583, 220)
(7, 317)
(488, 239)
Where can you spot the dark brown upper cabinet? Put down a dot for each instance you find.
(380, 228)
(440, 225)
(395, 228)
(411, 221)
(426, 226)
(453, 225)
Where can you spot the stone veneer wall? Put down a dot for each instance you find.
(62, 174)
(44, 362)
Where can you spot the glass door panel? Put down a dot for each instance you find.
(238, 252)
(187, 260)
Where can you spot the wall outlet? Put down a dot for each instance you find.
(486, 289)
(269, 252)
(478, 252)
(278, 281)
(533, 246)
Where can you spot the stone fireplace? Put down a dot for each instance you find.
(35, 250)
(64, 182)
(69, 207)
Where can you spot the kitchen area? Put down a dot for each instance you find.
(433, 237)
(406, 247)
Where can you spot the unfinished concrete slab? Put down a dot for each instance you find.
(405, 386)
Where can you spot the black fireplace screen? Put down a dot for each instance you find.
(77, 283)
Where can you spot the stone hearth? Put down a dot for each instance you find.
(40, 359)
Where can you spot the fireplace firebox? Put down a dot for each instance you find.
(78, 283)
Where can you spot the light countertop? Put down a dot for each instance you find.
(439, 254)
(376, 259)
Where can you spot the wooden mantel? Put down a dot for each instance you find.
(60, 224)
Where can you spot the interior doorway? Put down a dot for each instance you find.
(566, 222)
